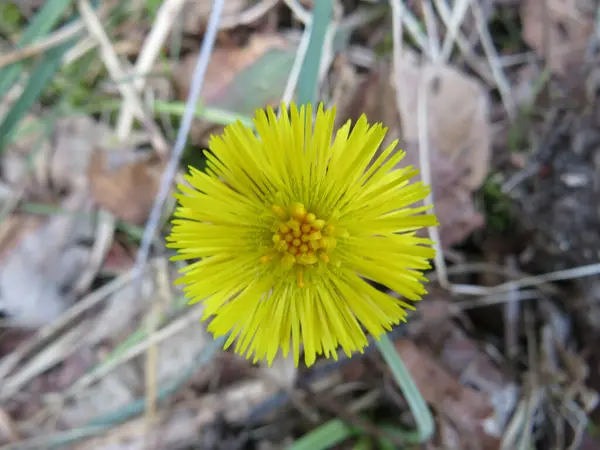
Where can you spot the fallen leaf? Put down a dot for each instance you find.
(176, 430)
(459, 147)
(38, 269)
(558, 30)
(453, 198)
(458, 140)
(465, 408)
(59, 160)
(74, 140)
(124, 183)
(464, 357)
(239, 80)
(457, 116)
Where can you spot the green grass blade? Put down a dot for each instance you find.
(420, 410)
(213, 115)
(326, 436)
(309, 74)
(41, 76)
(46, 18)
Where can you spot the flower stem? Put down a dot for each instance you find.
(416, 403)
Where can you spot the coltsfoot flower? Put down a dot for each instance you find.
(286, 227)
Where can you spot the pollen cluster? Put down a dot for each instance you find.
(300, 237)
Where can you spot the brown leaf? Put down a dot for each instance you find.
(124, 184)
(238, 79)
(459, 147)
(457, 116)
(452, 195)
(465, 408)
(458, 140)
(225, 64)
(558, 30)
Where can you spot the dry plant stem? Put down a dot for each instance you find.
(48, 357)
(79, 49)
(495, 64)
(165, 17)
(495, 299)
(57, 38)
(160, 304)
(8, 363)
(102, 243)
(432, 30)
(425, 166)
(292, 80)
(397, 20)
(328, 55)
(452, 25)
(186, 122)
(465, 47)
(189, 319)
(511, 316)
(532, 404)
(111, 61)
(299, 11)
(8, 428)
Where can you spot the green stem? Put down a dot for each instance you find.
(416, 403)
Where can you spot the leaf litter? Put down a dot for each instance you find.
(79, 339)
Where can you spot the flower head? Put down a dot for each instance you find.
(287, 227)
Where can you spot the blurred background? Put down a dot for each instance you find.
(497, 102)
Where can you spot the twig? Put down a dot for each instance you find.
(113, 66)
(490, 51)
(292, 81)
(164, 333)
(425, 166)
(103, 240)
(22, 351)
(57, 38)
(161, 302)
(463, 44)
(165, 17)
(452, 25)
(511, 317)
(299, 11)
(433, 34)
(186, 122)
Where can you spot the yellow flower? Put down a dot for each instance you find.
(286, 227)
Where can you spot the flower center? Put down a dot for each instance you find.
(300, 238)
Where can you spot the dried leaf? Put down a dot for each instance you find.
(39, 268)
(124, 183)
(461, 162)
(452, 196)
(467, 409)
(239, 80)
(458, 140)
(74, 141)
(457, 116)
(558, 30)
